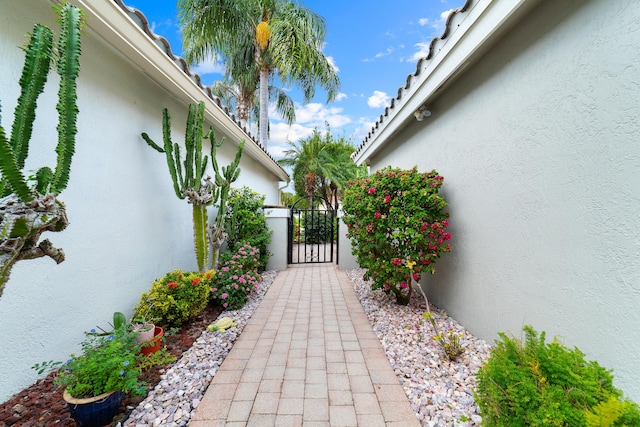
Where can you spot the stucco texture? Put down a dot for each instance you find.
(538, 144)
(127, 227)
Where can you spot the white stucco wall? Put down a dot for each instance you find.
(538, 144)
(127, 227)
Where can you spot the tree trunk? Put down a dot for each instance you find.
(264, 106)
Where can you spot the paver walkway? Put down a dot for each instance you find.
(307, 357)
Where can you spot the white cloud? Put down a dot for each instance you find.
(308, 117)
(340, 96)
(387, 52)
(333, 64)
(378, 99)
(362, 130)
(209, 66)
(424, 21)
(443, 20)
(315, 115)
(281, 133)
(423, 50)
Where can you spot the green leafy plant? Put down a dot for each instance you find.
(397, 226)
(247, 223)
(548, 384)
(26, 211)
(237, 277)
(109, 362)
(189, 179)
(319, 226)
(176, 297)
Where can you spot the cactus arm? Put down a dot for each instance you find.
(173, 162)
(10, 170)
(199, 161)
(44, 176)
(190, 180)
(151, 143)
(200, 220)
(229, 175)
(68, 68)
(32, 81)
(179, 181)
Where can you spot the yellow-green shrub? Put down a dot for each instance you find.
(547, 384)
(176, 297)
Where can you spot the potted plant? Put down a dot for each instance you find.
(96, 381)
(144, 328)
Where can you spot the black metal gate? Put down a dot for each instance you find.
(313, 231)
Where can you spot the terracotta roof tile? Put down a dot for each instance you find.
(141, 20)
(412, 77)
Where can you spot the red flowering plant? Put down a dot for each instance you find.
(398, 227)
(237, 277)
(176, 297)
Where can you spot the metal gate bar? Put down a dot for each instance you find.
(311, 233)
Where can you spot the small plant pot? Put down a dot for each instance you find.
(146, 332)
(94, 411)
(153, 345)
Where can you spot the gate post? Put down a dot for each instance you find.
(277, 220)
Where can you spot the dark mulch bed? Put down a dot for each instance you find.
(41, 405)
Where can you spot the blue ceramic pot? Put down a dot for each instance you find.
(94, 411)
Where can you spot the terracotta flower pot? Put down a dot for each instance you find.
(94, 411)
(154, 344)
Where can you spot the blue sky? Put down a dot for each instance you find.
(374, 44)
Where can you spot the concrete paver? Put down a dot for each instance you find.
(307, 357)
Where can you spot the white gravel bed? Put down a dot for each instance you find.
(175, 398)
(440, 391)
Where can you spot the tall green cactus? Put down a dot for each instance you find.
(188, 175)
(27, 211)
(224, 180)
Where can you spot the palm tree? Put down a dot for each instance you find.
(274, 36)
(241, 96)
(321, 164)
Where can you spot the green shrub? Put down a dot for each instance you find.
(237, 277)
(541, 384)
(176, 297)
(245, 222)
(319, 227)
(397, 225)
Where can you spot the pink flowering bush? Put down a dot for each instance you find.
(237, 277)
(397, 226)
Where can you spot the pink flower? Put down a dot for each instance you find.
(214, 289)
(372, 190)
(224, 296)
(404, 285)
(235, 285)
(225, 305)
(377, 215)
(225, 268)
(445, 223)
(387, 199)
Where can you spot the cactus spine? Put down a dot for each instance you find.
(26, 212)
(188, 177)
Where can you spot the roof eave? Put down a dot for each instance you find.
(111, 20)
(471, 30)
